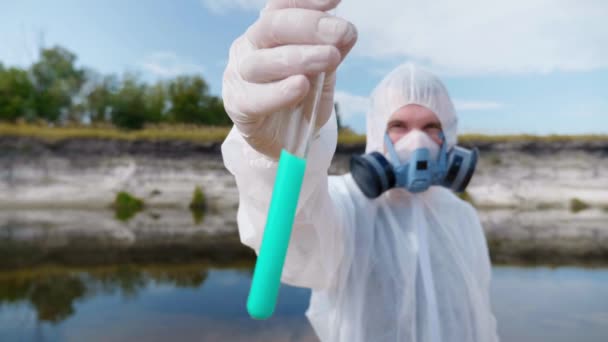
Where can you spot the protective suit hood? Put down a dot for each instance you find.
(409, 84)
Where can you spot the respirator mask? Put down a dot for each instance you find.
(414, 169)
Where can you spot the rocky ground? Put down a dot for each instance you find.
(539, 202)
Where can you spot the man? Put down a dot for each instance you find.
(402, 267)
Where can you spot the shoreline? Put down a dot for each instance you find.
(523, 192)
(176, 148)
(95, 237)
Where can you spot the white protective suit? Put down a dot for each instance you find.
(402, 267)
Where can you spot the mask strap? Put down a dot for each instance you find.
(391, 149)
(442, 137)
(443, 143)
(443, 156)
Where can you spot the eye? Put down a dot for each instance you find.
(433, 130)
(396, 126)
(433, 125)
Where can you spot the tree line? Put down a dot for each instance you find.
(55, 90)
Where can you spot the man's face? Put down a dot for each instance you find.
(411, 117)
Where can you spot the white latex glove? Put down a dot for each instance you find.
(273, 65)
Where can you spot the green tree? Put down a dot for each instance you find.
(57, 80)
(188, 96)
(16, 95)
(56, 90)
(99, 99)
(217, 113)
(191, 102)
(156, 99)
(128, 104)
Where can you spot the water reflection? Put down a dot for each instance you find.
(551, 304)
(160, 277)
(52, 291)
(206, 302)
(195, 302)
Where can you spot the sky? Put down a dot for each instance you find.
(511, 67)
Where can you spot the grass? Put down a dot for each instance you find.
(160, 132)
(198, 199)
(577, 205)
(126, 205)
(465, 196)
(352, 138)
(531, 138)
(217, 134)
(198, 205)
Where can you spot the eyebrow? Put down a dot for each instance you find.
(394, 122)
(433, 125)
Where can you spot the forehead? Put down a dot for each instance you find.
(413, 113)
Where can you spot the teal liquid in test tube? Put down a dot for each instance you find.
(266, 280)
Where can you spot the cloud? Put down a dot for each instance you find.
(476, 105)
(351, 105)
(470, 37)
(168, 64)
(354, 107)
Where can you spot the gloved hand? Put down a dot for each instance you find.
(273, 65)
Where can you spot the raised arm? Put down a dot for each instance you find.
(268, 77)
